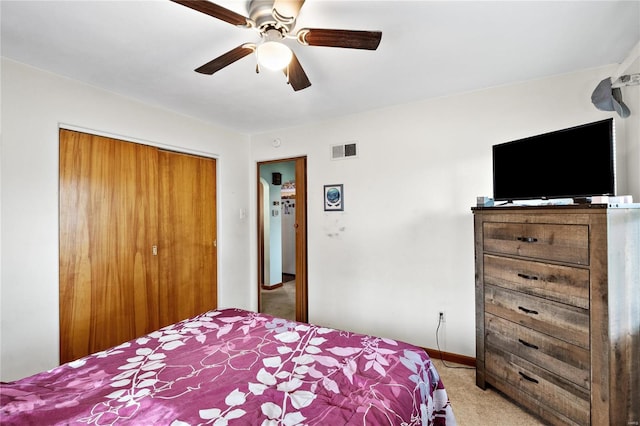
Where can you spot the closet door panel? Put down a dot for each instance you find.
(108, 224)
(187, 248)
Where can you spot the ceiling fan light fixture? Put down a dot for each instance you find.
(273, 55)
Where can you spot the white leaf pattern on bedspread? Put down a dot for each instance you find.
(237, 367)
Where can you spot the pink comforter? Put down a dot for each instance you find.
(237, 367)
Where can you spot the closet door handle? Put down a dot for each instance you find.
(527, 344)
(528, 277)
(527, 239)
(528, 378)
(528, 311)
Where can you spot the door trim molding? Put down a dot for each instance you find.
(147, 142)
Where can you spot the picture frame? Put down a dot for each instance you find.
(333, 198)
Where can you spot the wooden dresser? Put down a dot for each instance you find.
(558, 310)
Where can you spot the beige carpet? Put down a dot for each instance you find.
(280, 302)
(473, 406)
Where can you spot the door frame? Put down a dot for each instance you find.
(301, 234)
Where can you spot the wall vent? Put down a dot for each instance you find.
(344, 151)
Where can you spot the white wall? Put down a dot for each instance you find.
(34, 103)
(403, 248)
(275, 226)
(631, 97)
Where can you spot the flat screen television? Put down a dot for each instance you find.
(578, 162)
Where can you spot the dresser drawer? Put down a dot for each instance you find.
(557, 356)
(563, 284)
(565, 322)
(562, 243)
(549, 390)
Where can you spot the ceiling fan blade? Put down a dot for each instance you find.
(351, 39)
(216, 11)
(286, 11)
(296, 75)
(227, 59)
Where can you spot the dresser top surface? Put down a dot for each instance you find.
(518, 207)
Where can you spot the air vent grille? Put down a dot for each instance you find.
(344, 151)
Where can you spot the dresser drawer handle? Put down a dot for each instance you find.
(527, 344)
(527, 239)
(528, 277)
(524, 376)
(528, 311)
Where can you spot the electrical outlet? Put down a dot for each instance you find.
(441, 317)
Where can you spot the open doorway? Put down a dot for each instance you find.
(282, 238)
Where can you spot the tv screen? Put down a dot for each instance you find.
(577, 162)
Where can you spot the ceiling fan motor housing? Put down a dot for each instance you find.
(266, 18)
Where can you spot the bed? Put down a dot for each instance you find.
(232, 366)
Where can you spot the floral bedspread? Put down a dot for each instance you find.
(237, 367)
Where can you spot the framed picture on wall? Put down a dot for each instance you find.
(333, 198)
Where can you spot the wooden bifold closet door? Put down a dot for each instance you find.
(187, 236)
(137, 240)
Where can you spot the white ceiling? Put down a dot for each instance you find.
(148, 50)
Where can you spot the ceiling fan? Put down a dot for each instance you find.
(275, 21)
